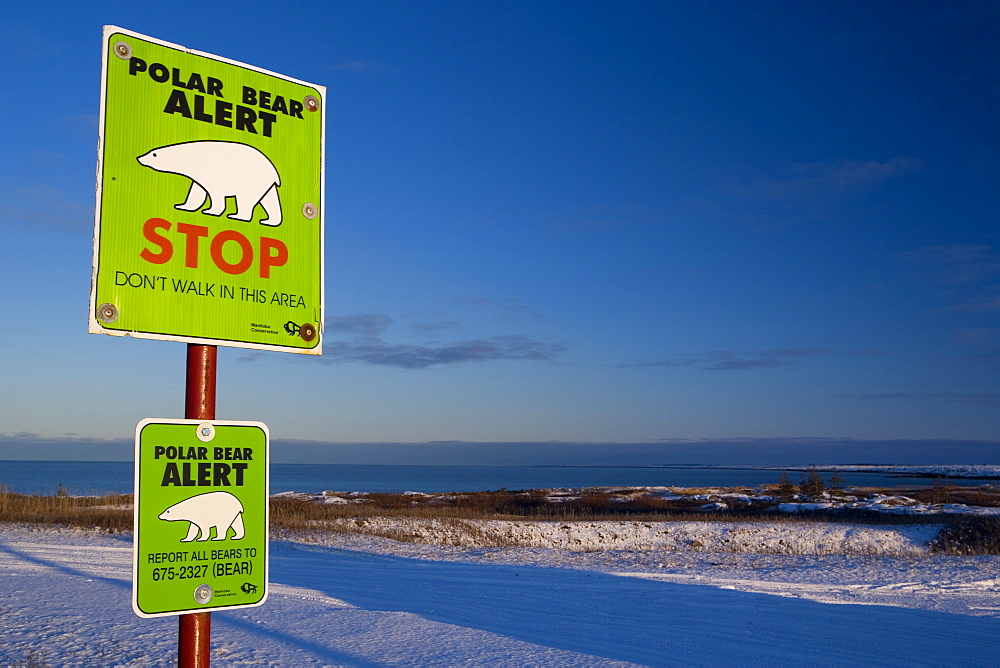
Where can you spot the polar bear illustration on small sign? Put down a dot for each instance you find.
(221, 510)
(221, 169)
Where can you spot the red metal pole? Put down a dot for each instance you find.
(194, 638)
(199, 398)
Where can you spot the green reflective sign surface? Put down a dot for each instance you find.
(209, 224)
(201, 516)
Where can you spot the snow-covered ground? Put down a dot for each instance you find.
(354, 600)
(785, 538)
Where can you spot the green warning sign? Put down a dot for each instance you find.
(210, 200)
(201, 516)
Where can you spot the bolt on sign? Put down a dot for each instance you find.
(201, 516)
(210, 200)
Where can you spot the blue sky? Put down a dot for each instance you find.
(560, 221)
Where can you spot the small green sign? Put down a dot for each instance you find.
(210, 200)
(201, 516)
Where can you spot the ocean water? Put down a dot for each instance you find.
(88, 478)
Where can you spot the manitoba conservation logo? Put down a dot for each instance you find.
(306, 330)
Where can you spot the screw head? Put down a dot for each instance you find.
(307, 332)
(311, 102)
(205, 432)
(123, 50)
(107, 313)
(203, 593)
(309, 210)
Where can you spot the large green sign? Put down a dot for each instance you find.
(210, 204)
(201, 516)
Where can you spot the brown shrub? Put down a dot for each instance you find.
(968, 536)
(985, 497)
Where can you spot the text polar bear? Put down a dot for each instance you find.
(221, 510)
(221, 169)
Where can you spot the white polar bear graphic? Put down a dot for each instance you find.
(221, 169)
(221, 510)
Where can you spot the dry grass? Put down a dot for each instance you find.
(558, 506)
(292, 512)
(458, 513)
(112, 513)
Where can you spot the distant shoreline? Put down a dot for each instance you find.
(983, 472)
(925, 471)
